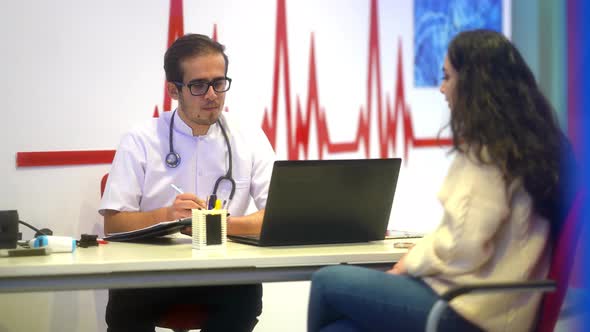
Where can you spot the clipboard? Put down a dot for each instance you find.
(157, 230)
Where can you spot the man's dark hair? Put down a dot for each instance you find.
(497, 105)
(187, 46)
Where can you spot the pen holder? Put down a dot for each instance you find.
(209, 229)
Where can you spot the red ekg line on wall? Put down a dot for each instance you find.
(175, 30)
(298, 131)
(61, 158)
(64, 158)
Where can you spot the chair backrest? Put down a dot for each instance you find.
(184, 316)
(561, 266)
(103, 183)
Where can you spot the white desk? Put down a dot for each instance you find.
(175, 263)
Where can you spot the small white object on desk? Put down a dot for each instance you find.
(209, 229)
(54, 243)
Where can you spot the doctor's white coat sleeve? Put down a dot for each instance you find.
(126, 177)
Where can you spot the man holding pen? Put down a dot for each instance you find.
(201, 152)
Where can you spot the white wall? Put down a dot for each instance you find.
(78, 74)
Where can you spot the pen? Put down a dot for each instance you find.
(178, 190)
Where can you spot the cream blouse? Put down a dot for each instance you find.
(488, 233)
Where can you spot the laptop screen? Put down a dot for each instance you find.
(329, 201)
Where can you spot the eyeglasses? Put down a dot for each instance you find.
(200, 87)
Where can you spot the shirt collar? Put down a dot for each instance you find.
(181, 127)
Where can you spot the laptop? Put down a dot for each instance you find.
(327, 201)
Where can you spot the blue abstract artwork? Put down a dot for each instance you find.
(436, 22)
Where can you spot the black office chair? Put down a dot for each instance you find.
(557, 284)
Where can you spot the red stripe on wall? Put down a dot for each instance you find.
(64, 158)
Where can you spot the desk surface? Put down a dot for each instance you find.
(173, 262)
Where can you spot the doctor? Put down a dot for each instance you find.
(202, 151)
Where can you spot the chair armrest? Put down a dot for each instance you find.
(522, 286)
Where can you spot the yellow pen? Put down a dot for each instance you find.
(218, 204)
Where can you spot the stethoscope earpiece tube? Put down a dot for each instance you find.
(228, 175)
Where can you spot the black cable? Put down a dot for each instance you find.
(33, 228)
(228, 174)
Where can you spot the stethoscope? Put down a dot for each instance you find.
(173, 159)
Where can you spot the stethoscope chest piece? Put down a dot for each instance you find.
(172, 159)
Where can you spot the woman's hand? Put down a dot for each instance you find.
(400, 267)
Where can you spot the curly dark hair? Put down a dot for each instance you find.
(497, 106)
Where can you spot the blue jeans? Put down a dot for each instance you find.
(348, 298)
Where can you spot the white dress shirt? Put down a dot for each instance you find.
(140, 179)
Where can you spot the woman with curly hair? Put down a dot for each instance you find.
(504, 197)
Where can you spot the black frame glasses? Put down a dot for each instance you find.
(200, 87)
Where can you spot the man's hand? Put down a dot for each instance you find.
(250, 224)
(182, 206)
(188, 230)
(125, 221)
